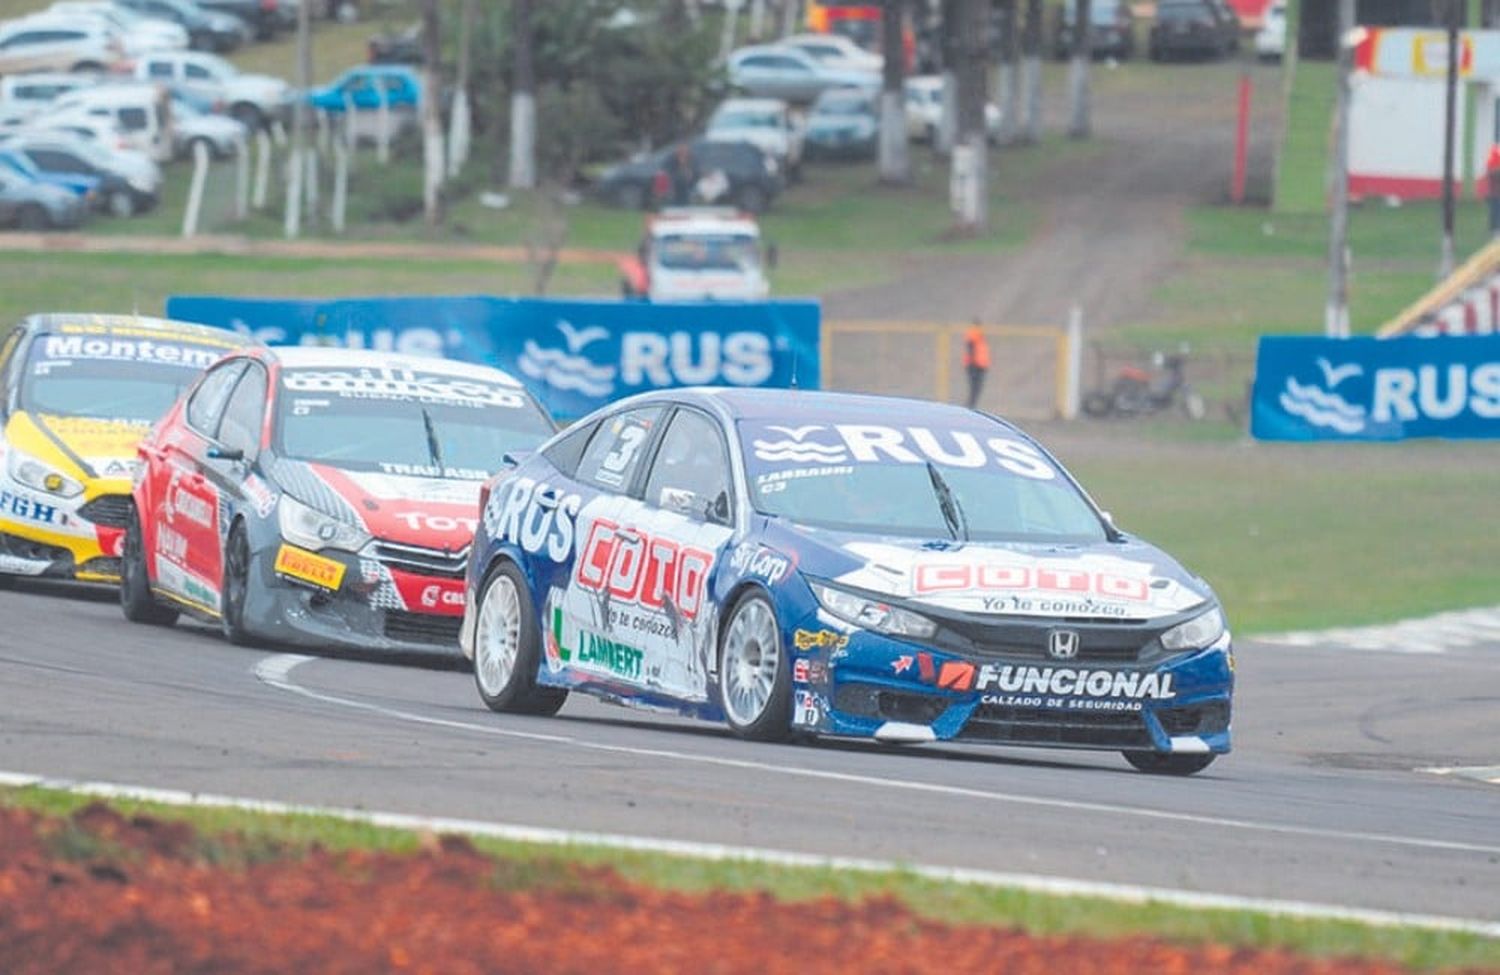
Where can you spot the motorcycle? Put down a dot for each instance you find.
(1138, 392)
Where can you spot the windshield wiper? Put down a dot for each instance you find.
(434, 449)
(953, 514)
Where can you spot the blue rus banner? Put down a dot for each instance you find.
(574, 355)
(1376, 389)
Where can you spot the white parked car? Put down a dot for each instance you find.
(142, 113)
(219, 134)
(101, 131)
(1270, 40)
(26, 93)
(766, 123)
(254, 99)
(699, 254)
(777, 71)
(924, 109)
(40, 44)
(138, 35)
(836, 51)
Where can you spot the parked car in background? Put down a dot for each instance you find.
(207, 30)
(263, 16)
(1193, 28)
(140, 111)
(53, 45)
(1112, 34)
(397, 47)
(698, 254)
(1270, 40)
(766, 123)
(27, 204)
(255, 100)
(728, 172)
(924, 109)
(191, 125)
(774, 71)
(844, 124)
(128, 183)
(80, 185)
(399, 85)
(835, 50)
(138, 35)
(102, 131)
(24, 94)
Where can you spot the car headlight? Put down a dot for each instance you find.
(27, 470)
(314, 530)
(873, 615)
(1196, 633)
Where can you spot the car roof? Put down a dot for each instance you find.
(338, 357)
(107, 93)
(47, 321)
(761, 403)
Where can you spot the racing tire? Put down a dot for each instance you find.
(755, 677)
(120, 204)
(1155, 763)
(236, 592)
(136, 600)
(33, 218)
(507, 647)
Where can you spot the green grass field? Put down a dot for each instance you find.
(535, 865)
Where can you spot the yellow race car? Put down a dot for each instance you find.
(77, 394)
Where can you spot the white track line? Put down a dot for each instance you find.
(1438, 633)
(276, 671)
(1489, 774)
(1124, 893)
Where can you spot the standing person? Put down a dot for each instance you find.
(976, 360)
(682, 175)
(1492, 169)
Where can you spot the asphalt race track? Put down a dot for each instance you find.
(1321, 802)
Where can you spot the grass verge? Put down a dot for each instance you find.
(956, 903)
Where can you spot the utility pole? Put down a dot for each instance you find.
(432, 117)
(522, 101)
(895, 157)
(1031, 47)
(969, 180)
(1450, 113)
(1336, 312)
(1078, 76)
(297, 164)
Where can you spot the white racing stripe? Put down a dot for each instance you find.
(1059, 886)
(276, 671)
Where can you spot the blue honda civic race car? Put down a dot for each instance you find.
(811, 563)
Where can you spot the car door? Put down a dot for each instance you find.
(186, 541)
(199, 81)
(231, 457)
(686, 518)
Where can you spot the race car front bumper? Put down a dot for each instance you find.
(57, 538)
(857, 683)
(363, 609)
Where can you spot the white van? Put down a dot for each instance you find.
(142, 113)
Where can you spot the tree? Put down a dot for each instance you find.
(1010, 60)
(1078, 78)
(522, 101)
(1031, 47)
(895, 160)
(970, 169)
(432, 119)
(461, 123)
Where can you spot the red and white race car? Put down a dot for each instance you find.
(321, 496)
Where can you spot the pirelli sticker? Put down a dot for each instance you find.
(306, 567)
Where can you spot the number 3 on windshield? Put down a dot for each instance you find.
(618, 460)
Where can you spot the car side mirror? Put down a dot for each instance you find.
(515, 458)
(221, 452)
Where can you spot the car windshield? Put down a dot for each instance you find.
(401, 421)
(120, 374)
(977, 481)
(843, 104)
(702, 252)
(217, 66)
(745, 118)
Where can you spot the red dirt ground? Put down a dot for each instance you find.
(100, 893)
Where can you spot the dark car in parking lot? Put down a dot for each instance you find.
(263, 16)
(1193, 28)
(1112, 32)
(207, 30)
(747, 177)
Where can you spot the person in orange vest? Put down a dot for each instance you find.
(976, 360)
(1492, 170)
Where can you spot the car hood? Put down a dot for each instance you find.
(1129, 579)
(84, 448)
(257, 85)
(428, 512)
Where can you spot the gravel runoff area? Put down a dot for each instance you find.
(99, 892)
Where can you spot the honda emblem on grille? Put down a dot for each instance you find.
(1062, 644)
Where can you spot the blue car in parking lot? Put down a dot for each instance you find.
(807, 563)
(365, 85)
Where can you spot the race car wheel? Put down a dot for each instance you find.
(507, 648)
(135, 585)
(1158, 764)
(754, 675)
(236, 591)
